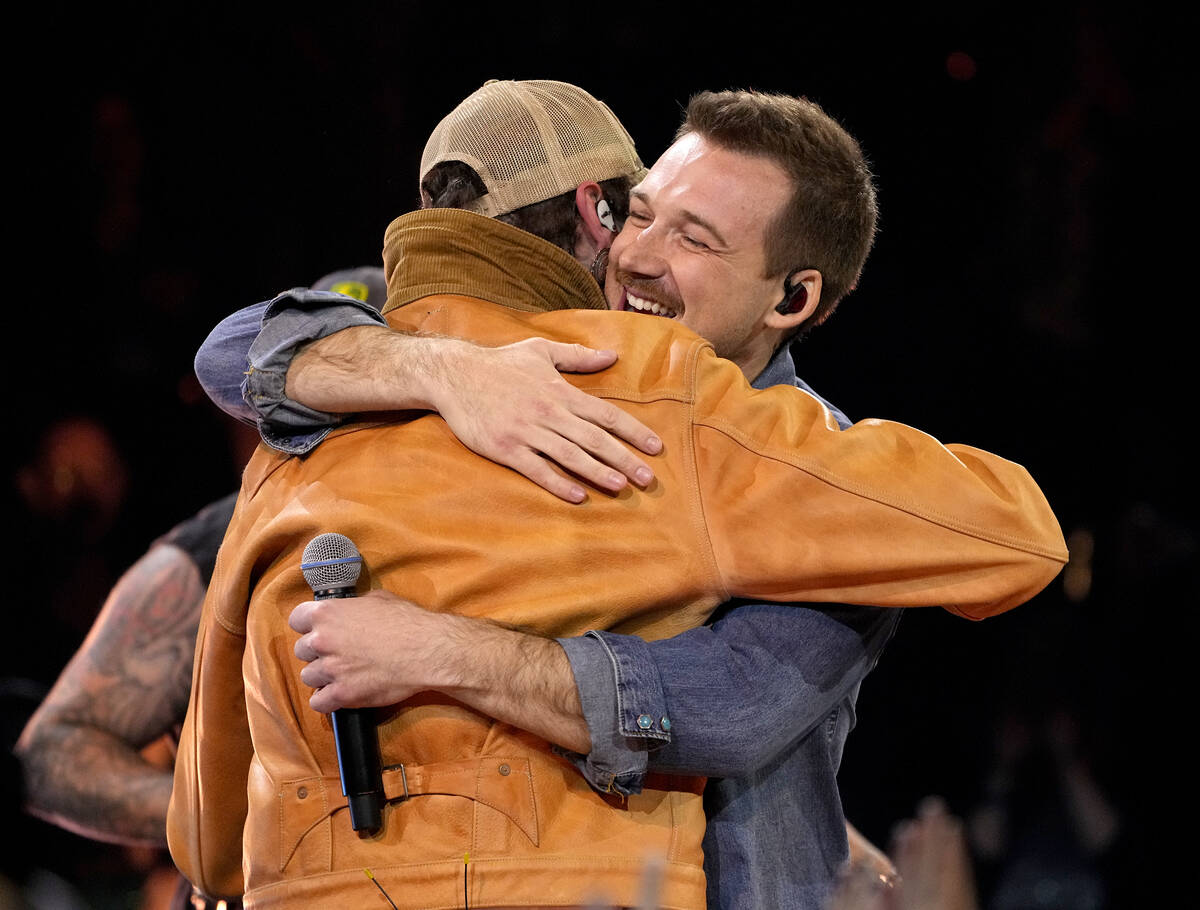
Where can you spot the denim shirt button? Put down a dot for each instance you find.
(665, 724)
(645, 721)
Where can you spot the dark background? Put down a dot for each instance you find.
(1028, 293)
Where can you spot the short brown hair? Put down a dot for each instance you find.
(829, 223)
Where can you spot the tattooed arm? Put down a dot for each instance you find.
(126, 687)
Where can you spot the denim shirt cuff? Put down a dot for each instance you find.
(623, 705)
(293, 319)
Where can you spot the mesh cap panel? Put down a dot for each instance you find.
(531, 141)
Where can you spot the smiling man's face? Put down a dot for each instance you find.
(693, 248)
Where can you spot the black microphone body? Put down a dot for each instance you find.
(331, 566)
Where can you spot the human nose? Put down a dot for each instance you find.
(641, 253)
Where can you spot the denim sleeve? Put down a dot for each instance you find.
(720, 700)
(222, 361)
(256, 345)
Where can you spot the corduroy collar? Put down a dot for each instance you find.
(451, 251)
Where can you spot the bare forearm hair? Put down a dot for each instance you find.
(365, 368)
(125, 688)
(524, 679)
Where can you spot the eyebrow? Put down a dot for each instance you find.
(688, 216)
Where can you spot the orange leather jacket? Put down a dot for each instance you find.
(878, 514)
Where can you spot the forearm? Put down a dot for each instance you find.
(243, 363)
(508, 404)
(221, 362)
(733, 694)
(90, 782)
(520, 679)
(319, 357)
(373, 368)
(126, 688)
(379, 649)
(740, 693)
(878, 514)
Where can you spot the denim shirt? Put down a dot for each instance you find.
(760, 700)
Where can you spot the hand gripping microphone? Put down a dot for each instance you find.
(331, 565)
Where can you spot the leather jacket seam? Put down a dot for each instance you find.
(700, 519)
(827, 477)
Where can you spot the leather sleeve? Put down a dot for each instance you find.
(879, 514)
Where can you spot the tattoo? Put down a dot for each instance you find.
(126, 688)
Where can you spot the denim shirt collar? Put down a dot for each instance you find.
(781, 370)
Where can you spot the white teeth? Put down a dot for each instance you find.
(649, 306)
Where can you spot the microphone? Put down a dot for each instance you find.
(331, 565)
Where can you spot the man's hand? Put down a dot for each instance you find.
(368, 651)
(934, 862)
(509, 404)
(380, 649)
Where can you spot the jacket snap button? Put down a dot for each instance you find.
(302, 793)
(645, 721)
(505, 770)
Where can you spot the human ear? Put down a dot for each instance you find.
(597, 230)
(800, 298)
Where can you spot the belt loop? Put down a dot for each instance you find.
(403, 777)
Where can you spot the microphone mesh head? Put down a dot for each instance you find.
(331, 561)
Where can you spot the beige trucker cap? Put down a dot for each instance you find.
(530, 141)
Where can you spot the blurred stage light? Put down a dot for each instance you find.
(961, 66)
